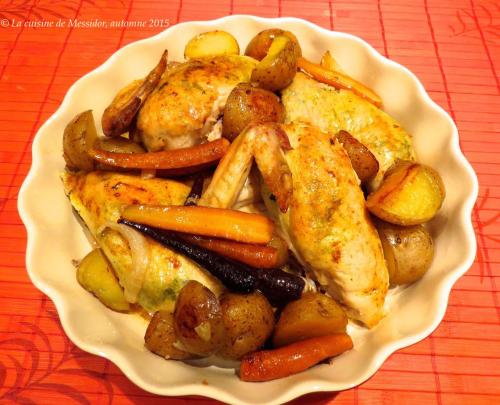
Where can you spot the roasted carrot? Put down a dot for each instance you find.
(266, 257)
(269, 365)
(215, 222)
(278, 286)
(338, 80)
(205, 153)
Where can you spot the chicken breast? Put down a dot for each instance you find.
(188, 100)
(329, 227)
(98, 198)
(333, 110)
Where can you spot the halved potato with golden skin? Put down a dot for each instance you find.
(410, 194)
(79, 136)
(198, 319)
(278, 68)
(313, 315)
(211, 43)
(160, 337)
(408, 251)
(258, 47)
(247, 104)
(95, 274)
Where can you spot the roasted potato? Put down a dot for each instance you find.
(363, 162)
(211, 43)
(278, 68)
(248, 320)
(160, 337)
(94, 273)
(247, 104)
(313, 315)
(258, 47)
(198, 319)
(410, 194)
(408, 251)
(79, 136)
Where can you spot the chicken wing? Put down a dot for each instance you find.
(328, 225)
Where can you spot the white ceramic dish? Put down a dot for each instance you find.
(55, 237)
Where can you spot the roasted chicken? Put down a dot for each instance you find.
(332, 110)
(98, 198)
(189, 99)
(326, 223)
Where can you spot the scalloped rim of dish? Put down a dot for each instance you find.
(294, 391)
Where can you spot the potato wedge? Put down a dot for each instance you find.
(211, 43)
(160, 337)
(94, 273)
(408, 251)
(411, 194)
(198, 319)
(258, 47)
(247, 104)
(79, 137)
(278, 68)
(363, 162)
(313, 315)
(248, 322)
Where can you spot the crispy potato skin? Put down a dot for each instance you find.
(248, 321)
(248, 104)
(363, 162)
(79, 136)
(313, 315)
(278, 68)
(211, 43)
(408, 251)
(410, 194)
(160, 337)
(259, 45)
(198, 319)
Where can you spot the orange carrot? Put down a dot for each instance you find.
(206, 221)
(266, 257)
(205, 153)
(339, 80)
(269, 365)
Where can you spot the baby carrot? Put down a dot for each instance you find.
(338, 80)
(215, 222)
(269, 365)
(209, 152)
(261, 256)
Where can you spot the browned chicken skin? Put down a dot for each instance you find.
(183, 108)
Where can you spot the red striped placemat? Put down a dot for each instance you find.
(454, 48)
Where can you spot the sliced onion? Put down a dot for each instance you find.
(139, 250)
